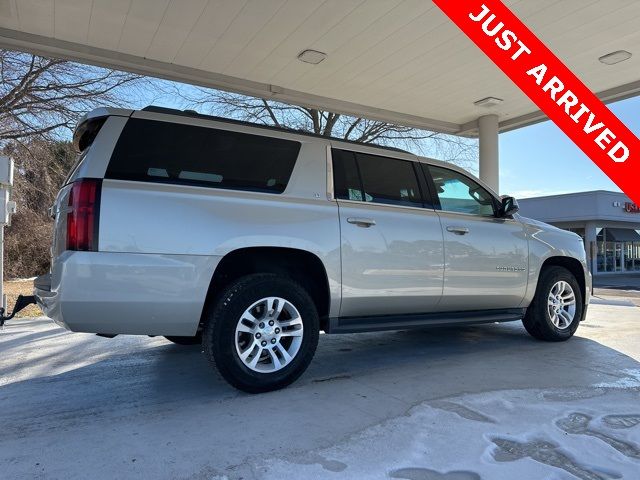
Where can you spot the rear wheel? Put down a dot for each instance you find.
(556, 310)
(262, 332)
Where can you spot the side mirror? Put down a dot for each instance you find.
(508, 207)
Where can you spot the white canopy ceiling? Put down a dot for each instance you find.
(396, 60)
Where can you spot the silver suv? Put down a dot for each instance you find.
(251, 240)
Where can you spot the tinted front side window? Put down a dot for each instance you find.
(458, 193)
(153, 151)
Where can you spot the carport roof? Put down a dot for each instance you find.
(394, 60)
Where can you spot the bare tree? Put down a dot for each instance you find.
(446, 147)
(44, 96)
(41, 99)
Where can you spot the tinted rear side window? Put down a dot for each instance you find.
(389, 180)
(373, 178)
(152, 151)
(346, 180)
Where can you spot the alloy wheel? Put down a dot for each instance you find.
(269, 334)
(561, 304)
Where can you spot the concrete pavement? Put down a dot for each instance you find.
(477, 402)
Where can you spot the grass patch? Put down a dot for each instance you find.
(13, 288)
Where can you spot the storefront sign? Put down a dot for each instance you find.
(552, 87)
(631, 207)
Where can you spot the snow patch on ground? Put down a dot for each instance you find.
(496, 435)
(631, 379)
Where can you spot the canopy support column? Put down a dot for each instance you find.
(489, 151)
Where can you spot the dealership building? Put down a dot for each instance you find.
(608, 222)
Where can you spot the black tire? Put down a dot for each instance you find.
(537, 320)
(197, 340)
(220, 330)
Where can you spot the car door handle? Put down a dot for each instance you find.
(458, 230)
(362, 222)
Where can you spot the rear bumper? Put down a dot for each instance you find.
(128, 293)
(45, 299)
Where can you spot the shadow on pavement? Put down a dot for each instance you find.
(409, 366)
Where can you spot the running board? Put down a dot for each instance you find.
(422, 320)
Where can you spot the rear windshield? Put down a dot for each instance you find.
(152, 151)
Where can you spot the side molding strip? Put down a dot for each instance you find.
(404, 322)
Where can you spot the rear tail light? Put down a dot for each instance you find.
(83, 215)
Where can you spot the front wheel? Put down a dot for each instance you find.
(557, 307)
(262, 332)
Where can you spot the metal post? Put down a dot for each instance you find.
(590, 237)
(6, 209)
(489, 151)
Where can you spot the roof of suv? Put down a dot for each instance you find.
(194, 114)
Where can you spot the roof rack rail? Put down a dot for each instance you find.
(194, 114)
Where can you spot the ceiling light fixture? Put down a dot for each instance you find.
(311, 56)
(488, 102)
(615, 57)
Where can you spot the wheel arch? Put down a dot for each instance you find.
(303, 266)
(574, 266)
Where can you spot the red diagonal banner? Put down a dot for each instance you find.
(552, 87)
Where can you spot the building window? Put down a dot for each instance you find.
(618, 250)
(632, 256)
